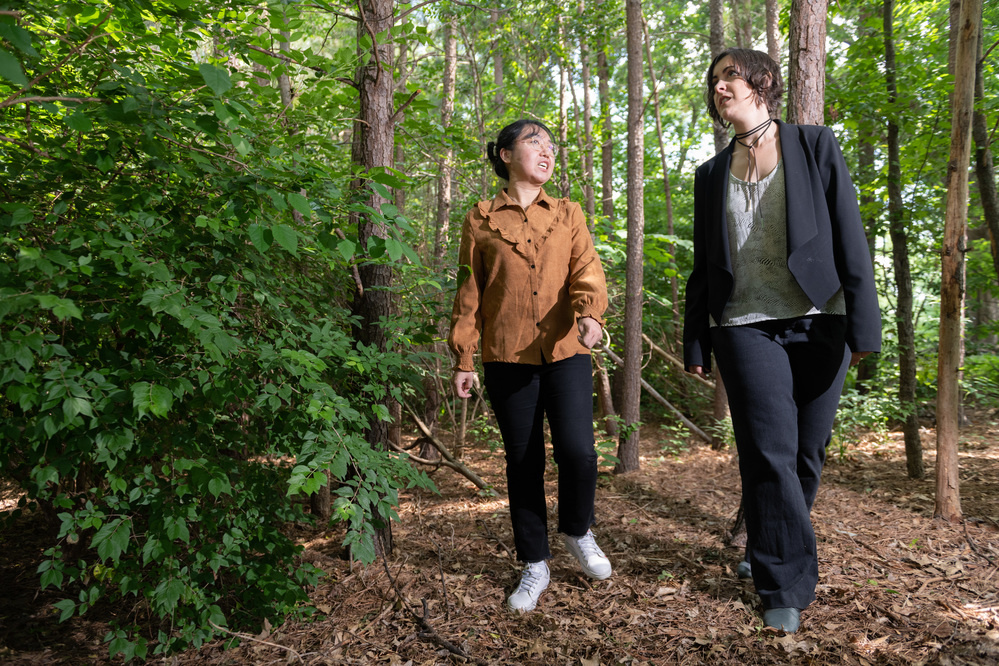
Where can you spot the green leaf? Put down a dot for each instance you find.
(112, 539)
(216, 78)
(346, 248)
(286, 238)
(151, 399)
(67, 606)
(300, 203)
(19, 37)
(261, 237)
(10, 69)
(79, 122)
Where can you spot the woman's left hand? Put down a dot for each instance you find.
(857, 357)
(590, 332)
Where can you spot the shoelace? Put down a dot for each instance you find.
(532, 578)
(588, 546)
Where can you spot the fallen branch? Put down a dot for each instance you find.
(428, 631)
(662, 401)
(448, 458)
(248, 637)
(675, 361)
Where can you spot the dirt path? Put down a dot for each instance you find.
(896, 586)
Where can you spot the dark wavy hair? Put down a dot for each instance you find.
(760, 73)
(508, 136)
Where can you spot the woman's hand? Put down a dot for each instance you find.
(463, 383)
(696, 370)
(590, 332)
(857, 357)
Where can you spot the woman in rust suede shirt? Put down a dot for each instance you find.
(532, 291)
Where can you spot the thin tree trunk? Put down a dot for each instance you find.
(806, 89)
(674, 283)
(948, 499)
(605, 399)
(372, 146)
(716, 39)
(742, 23)
(563, 113)
(985, 174)
(773, 30)
(900, 260)
(628, 450)
(607, 131)
(584, 61)
(498, 98)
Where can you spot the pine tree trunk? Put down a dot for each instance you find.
(607, 131)
(900, 261)
(628, 451)
(806, 77)
(373, 146)
(584, 62)
(948, 501)
(716, 10)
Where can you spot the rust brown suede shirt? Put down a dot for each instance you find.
(525, 277)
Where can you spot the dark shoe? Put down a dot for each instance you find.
(788, 619)
(744, 570)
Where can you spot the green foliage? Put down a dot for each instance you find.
(179, 365)
(981, 380)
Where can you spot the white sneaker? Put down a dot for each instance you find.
(591, 558)
(532, 583)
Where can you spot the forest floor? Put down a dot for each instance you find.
(896, 585)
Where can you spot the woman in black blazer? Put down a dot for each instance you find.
(782, 291)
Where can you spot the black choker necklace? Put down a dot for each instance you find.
(761, 128)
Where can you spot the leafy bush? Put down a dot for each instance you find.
(178, 373)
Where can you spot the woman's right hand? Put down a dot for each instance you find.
(463, 383)
(696, 370)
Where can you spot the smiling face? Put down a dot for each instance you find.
(531, 160)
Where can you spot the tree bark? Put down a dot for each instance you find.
(372, 146)
(563, 113)
(716, 40)
(773, 30)
(628, 450)
(674, 282)
(607, 131)
(742, 23)
(948, 502)
(985, 174)
(498, 98)
(584, 62)
(900, 260)
(806, 89)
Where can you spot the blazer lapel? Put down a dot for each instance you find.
(719, 254)
(800, 207)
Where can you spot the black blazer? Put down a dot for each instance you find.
(827, 247)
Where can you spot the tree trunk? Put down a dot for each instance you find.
(374, 133)
(900, 260)
(563, 113)
(773, 30)
(628, 451)
(948, 499)
(985, 174)
(674, 282)
(607, 131)
(742, 23)
(605, 399)
(716, 10)
(498, 99)
(584, 62)
(806, 77)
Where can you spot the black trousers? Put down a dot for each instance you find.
(784, 379)
(521, 396)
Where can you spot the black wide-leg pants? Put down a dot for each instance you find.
(784, 379)
(521, 396)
